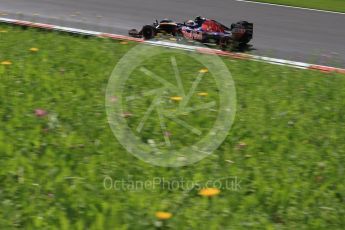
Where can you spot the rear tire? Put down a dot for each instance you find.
(148, 32)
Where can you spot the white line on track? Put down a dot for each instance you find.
(293, 7)
(78, 31)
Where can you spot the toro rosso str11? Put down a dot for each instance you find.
(201, 29)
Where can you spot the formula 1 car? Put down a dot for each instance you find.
(200, 29)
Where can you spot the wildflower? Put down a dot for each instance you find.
(319, 179)
(203, 70)
(176, 98)
(6, 63)
(203, 94)
(241, 145)
(167, 134)
(51, 195)
(321, 165)
(127, 114)
(62, 70)
(45, 130)
(230, 161)
(163, 215)
(113, 99)
(40, 112)
(209, 192)
(33, 49)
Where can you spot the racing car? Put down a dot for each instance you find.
(200, 29)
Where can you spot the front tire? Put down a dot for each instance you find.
(242, 38)
(148, 32)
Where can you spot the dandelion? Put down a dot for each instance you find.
(40, 113)
(33, 49)
(203, 94)
(163, 215)
(6, 63)
(123, 43)
(176, 98)
(203, 70)
(209, 192)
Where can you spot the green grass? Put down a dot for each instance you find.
(286, 145)
(332, 5)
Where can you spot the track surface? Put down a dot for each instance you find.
(295, 34)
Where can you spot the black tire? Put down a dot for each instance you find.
(148, 32)
(248, 28)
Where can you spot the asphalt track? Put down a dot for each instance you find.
(288, 33)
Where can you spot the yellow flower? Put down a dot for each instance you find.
(163, 215)
(203, 70)
(3, 31)
(176, 98)
(34, 49)
(203, 94)
(6, 63)
(123, 43)
(209, 192)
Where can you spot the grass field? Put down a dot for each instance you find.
(332, 5)
(286, 146)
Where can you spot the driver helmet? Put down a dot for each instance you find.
(190, 23)
(166, 20)
(199, 19)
